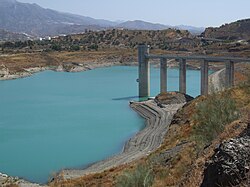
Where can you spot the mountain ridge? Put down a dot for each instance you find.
(34, 20)
(142, 25)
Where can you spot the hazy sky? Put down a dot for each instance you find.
(171, 12)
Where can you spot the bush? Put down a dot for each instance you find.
(142, 176)
(211, 117)
(93, 47)
(75, 47)
(56, 47)
(245, 85)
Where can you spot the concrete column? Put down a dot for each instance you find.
(163, 75)
(229, 74)
(144, 71)
(182, 79)
(204, 77)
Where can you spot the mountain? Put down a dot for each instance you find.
(192, 29)
(142, 25)
(234, 31)
(35, 20)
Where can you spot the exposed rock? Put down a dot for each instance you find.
(229, 165)
(60, 68)
(234, 31)
(4, 71)
(164, 157)
(6, 181)
(168, 98)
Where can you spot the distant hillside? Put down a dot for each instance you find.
(142, 25)
(35, 20)
(234, 31)
(192, 29)
(10, 36)
(169, 39)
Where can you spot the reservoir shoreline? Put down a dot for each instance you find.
(5, 74)
(144, 142)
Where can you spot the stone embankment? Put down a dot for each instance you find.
(143, 143)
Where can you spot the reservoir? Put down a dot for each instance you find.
(56, 120)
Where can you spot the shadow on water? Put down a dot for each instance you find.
(135, 98)
(125, 98)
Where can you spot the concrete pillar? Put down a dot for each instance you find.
(163, 75)
(229, 74)
(144, 71)
(182, 79)
(204, 77)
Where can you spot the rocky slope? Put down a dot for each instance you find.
(239, 30)
(227, 167)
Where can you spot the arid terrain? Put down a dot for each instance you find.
(84, 51)
(186, 156)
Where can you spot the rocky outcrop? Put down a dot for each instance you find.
(4, 71)
(230, 164)
(168, 98)
(5, 74)
(234, 31)
(7, 181)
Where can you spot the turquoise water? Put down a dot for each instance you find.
(53, 120)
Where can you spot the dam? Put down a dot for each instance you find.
(144, 69)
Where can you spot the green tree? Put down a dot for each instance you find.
(56, 47)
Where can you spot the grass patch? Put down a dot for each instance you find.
(211, 116)
(142, 176)
(245, 85)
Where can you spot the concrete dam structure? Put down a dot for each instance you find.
(144, 70)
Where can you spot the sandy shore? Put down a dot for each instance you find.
(148, 140)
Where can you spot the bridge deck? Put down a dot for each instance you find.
(144, 69)
(208, 58)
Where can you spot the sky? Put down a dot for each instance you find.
(199, 13)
